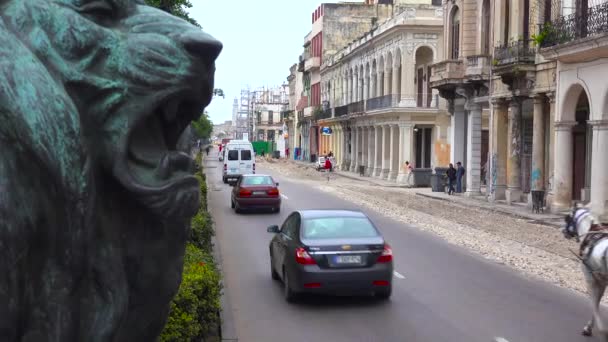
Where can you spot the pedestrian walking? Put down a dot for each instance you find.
(207, 150)
(451, 174)
(328, 167)
(460, 171)
(408, 170)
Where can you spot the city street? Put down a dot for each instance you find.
(441, 292)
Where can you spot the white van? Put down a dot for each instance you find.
(239, 159)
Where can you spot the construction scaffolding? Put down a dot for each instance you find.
(243, 120)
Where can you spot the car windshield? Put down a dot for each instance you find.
(257, 180)
(338, 228)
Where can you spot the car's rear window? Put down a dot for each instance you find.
(233, 155)
(337, 228)
(245, 154)
(257, 180)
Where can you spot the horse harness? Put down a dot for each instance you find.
(596, 234)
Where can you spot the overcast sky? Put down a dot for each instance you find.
(262, 39)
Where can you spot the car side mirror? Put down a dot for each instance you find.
(273, 229)
(277, 183)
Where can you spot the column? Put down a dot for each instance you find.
(497, 178)
(344, 87)
(599, 165)
(394, 153)
(354, 160)
(537, 177)
(387, 81)
(363, 143)
(459, 129)
(371, 146)
(406, 144)
(513, 193)
(372, 87)
(395, 88)
(378, 151)
(408, 89)
(386, 151)
(473, 168)
(379, 83)
(562, 183)
(550, 171)
(365, 86)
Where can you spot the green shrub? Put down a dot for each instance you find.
(201, 231)
(194, 311)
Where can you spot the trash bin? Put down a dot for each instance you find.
(538, 201)
(361, 170)
(276, 154)
(313, 158)
(438, 181)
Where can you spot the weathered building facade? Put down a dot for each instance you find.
(268, 105)
(575, 37)
(380, 107)
(529, 73)
(333, 27)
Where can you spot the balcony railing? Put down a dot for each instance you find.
(381, 102)
(446, 72)
(519, 52)
(341, 111)
(478, 66)
(576, 26)
(356, 107)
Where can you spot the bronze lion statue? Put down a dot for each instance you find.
(95, 198)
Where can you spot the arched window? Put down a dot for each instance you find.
(455, 34)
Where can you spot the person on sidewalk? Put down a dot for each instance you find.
(451, 174)
(408, 170)
(459, 174)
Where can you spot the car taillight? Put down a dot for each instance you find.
(253, 167)
(244, 193)
(273, 192)
(225, 167)
(387, 254)
(303, 258)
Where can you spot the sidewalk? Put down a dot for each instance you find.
(518, 210)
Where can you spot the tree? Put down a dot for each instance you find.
(175, 7)
(203, 127)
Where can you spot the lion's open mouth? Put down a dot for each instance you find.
(153, 156)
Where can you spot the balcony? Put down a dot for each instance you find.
(341, 111)
(477, 68)
(312, 63)
(520, 52)
(447, 74)
(356, 107)
(381, 102)
(514, 63)
(322, 114)
(578, 37)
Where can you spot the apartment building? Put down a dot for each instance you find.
(268, 104)
(334, 25)
(575, 36)
(380, 107)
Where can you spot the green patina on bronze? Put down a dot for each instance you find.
(95, 199)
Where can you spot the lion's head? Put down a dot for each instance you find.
(129, 77)
(94, 195)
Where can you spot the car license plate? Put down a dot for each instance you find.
(233, 170)
(259, 193)
(348, 259)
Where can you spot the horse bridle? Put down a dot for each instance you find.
(571, 229)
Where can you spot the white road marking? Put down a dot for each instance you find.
(401, 276)
(285, 197)
(500, 339)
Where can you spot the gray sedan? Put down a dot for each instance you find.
(336, 252)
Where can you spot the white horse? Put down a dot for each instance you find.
(585, 228)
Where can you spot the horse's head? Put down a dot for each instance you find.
(573, 223)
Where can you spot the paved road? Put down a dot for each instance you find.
(444, 294)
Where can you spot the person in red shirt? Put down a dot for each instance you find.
(328, 164)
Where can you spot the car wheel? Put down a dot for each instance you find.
(386, 294)
(232, 204)
(288, 293)
(224, 180)
(277, 210)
